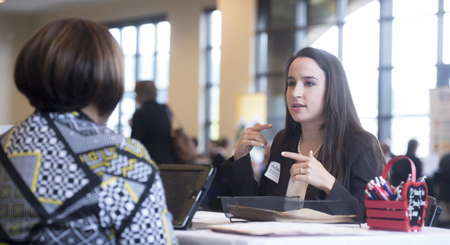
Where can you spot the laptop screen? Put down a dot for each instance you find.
(185, 187)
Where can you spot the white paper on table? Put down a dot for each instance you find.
(4, 128)
(289, 228)
(211, 218)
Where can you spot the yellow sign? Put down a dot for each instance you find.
(251, 108)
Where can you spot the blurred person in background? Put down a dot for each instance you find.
(212, 148)
(219, 186)
(386, 150)
(152, 123)
(411, 153)
(442, 180)
(400, 170)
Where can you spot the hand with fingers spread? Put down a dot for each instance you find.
(308, 169)
(251, 137)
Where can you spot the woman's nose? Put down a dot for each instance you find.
(298, 90)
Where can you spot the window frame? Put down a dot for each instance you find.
(136, 23)
(209, 84)
(384, 116)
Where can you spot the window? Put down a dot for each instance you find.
(414, 48)
(146, 49)
(396, 49)
(212, 89)
(321, 24)
(446, 28)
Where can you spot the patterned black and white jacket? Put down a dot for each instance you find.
(67, 180)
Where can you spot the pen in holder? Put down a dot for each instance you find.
(407, 213)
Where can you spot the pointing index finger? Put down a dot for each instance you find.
(294, 156)
(259, 127)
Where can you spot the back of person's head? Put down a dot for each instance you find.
(224, 142)
(213, 144)
(69, 64)
(444, 163)
(145, 91)
(412, 147)
(385, 148)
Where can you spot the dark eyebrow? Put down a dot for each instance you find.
(310, 77)
(305, 77)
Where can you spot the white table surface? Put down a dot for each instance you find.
(199, 234)
(4, 128)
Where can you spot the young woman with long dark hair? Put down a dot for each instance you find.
(323, 153)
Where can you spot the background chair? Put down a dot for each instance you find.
(432, 213)
(442, 181)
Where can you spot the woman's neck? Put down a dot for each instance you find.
(311, 139)
(92, 112)
(312, 133)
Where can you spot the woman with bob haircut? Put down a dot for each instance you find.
(323, 153)
(77, 181)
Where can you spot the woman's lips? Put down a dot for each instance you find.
(297, 106)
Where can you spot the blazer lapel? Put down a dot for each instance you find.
(286, 164)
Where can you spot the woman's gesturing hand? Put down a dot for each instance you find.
(249, 138)
(308, 169)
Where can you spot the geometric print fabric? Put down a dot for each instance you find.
(58, 177)
(149, 225)
(124, 167)
(115, 203)
(83, 135)
(110, 162)
(16, 214)
(79, 231)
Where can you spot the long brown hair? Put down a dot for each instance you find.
(339, 111)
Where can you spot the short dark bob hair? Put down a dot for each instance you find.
(69, 64)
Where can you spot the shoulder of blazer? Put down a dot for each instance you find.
(363, 144)
(360, 140)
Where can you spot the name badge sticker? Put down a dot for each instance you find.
(273, 172)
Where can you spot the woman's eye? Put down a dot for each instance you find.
(291, 83)
(309, 84)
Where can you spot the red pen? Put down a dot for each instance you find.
(380, 191)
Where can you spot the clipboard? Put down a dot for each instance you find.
(185, 186)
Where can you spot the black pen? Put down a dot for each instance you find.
(373, 192)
